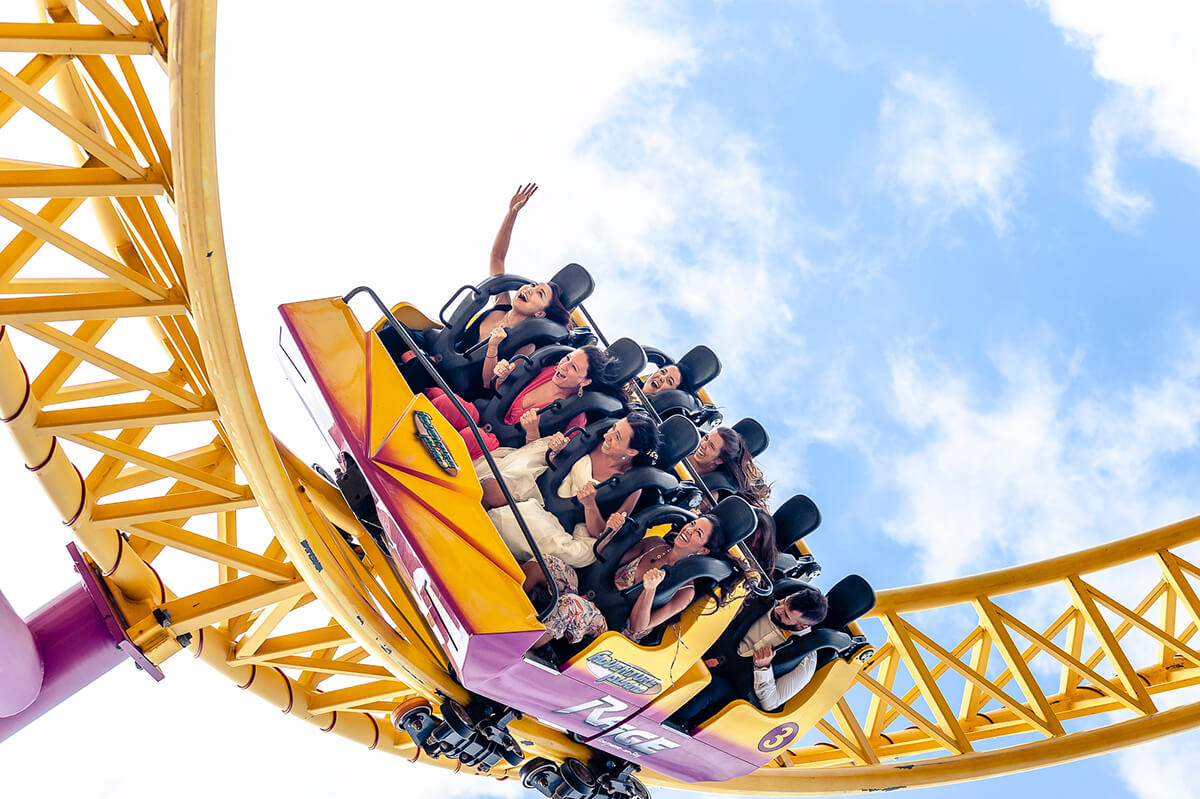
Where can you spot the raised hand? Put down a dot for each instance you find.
(587, 494)
(652, 578)
(521, 197)
(763, 657)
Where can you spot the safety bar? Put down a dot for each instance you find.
(441, 313)
(441, 383)
(760, 581)
(513, 360)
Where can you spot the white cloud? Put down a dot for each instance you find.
(940, 153)
(1122, 206)
(1041, 465)
(1164, 769)
(1148, 52)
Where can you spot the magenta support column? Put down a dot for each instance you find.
(79, 637)
(20, 662)
(76, 648)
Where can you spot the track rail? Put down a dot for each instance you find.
(125, 386)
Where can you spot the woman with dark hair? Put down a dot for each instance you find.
(575, 618)
(725, 449)
(632, 441)
(568, 377)
(666, 378)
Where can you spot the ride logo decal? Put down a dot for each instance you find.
(624, 675)
(605, 712)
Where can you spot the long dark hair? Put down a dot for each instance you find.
(555, 310)
(761, 542)
(600, 365)
(645, 439)
(739, 463)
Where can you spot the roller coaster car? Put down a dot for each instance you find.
(613, 694)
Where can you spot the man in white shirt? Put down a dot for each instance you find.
(748, 667)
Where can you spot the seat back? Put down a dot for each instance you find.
(754, 434)
(574, 285)
(699, 367)
(795, 519)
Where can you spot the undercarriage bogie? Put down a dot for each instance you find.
(573, 779)
(477, 737)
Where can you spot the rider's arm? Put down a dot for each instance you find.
(504, 236)
(772, 691)
(683, 597)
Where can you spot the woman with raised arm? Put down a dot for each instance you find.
(576, 618)
(533, 300)
(725, 449)
(632, 441)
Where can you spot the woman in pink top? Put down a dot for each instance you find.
(570, 376)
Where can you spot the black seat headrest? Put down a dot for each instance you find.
(849, 599)
(673, 400)
(679, 439)
(657, 357)
(628, 359)
(574, 285)
(698, 367)
(738, 519)
(795, 519)
(754, 434)
(719, 482)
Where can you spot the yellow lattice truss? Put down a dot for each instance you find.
(132, 403)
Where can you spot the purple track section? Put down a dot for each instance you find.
(20, 662)
(76, 646)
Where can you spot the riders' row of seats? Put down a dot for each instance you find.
(682, 408)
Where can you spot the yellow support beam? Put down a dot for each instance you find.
(299, 643)
(190, 613)
(121, 274)
(131, 414)
(93, 181)
(346, 698)
(69, 39)
(153, 509)
(204, 547)
(82, 307)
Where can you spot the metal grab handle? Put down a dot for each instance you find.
(514, 360)
(568, 433)
(474, 348)
(441, 383)
(441, 313)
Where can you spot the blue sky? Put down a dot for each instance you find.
(943, 248)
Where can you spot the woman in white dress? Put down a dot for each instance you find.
(632, 441)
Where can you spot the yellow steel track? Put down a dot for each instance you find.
(131, 401)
